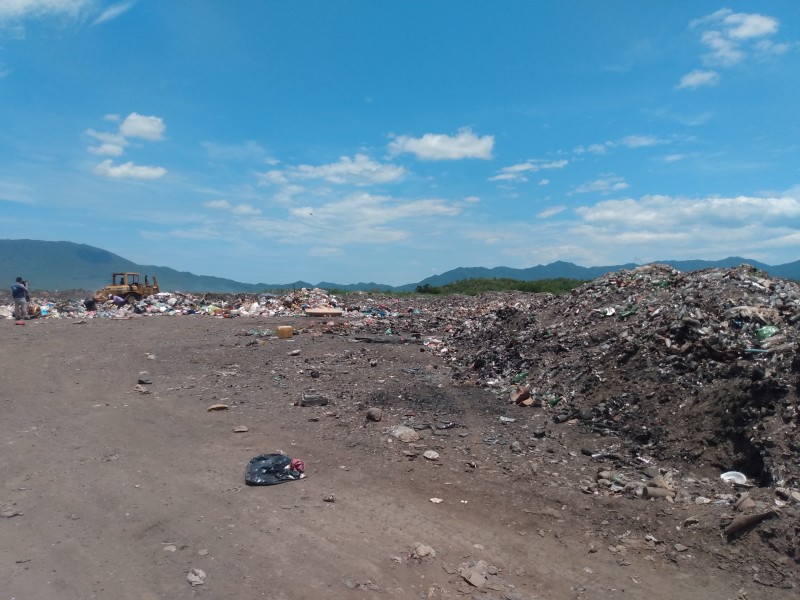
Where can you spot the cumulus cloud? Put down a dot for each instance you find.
(435, 146)
(517, 172)
(360, 171)
(128, 170)
(141, 126)
(111, 144)
(114, 144)
(698, 78)
(730, 38)
(605, 185)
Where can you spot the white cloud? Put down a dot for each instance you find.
(698, 78)
(549, 212)
(515, 172)
(218, 204)
(114, 11)
(665, 212)
(605, 185)
(544, 182)
(724, 51)
(435, 146)
(128, 170)
(240, 210)
(630, 141)
(360, 170)
(148, 128)
(360, 218)
(111, 144)
(731, 37)
(744, 26)
(639, 141)
(245, 210)
(23, 9)
(592, 149)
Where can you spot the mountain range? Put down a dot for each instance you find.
(72, 266)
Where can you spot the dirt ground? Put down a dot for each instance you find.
(114, 491)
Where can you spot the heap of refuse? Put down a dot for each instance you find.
(294, 303)
(700, 367)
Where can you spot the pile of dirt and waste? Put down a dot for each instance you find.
(699, 367)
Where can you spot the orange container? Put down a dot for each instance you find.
(285, 332)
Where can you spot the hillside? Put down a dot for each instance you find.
(68, 265)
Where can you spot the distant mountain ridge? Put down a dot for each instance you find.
(69, 265)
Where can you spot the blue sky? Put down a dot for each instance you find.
(366, 140)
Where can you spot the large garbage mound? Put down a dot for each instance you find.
(700, 367)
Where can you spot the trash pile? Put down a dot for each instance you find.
(701, 367)
(294, 303)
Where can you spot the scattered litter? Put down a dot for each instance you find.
(744, 523)
(312, 400)
(734, 477)
(271, 469)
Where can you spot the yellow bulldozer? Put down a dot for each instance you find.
(127, 286)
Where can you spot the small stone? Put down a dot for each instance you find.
(374, 414)
(423, 551)
(203, 552)
(437, 500)
(216, 407)
(431, 455)
(329, 498)
(170, 548)
(403, 433)
(516, 447)
(680, 548)
(196, 577)
(240, 429)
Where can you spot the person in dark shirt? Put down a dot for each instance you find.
(19, 291)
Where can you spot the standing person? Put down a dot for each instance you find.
(20, 293)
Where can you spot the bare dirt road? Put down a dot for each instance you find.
(109, 492)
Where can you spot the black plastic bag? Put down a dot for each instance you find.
(271, 469)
